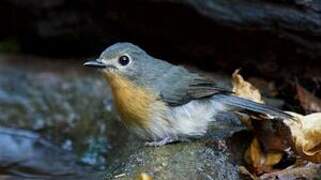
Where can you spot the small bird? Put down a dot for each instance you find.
(163, 103)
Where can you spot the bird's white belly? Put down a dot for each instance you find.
(191, 119)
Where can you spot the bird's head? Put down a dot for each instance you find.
(121, 58)
(129, 61)
(125, 60)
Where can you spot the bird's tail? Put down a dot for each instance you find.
(245, 105)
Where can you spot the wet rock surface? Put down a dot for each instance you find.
(26, 154)
(182, 161)
(210, 157)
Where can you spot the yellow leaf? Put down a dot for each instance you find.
(254, 156)
(306, 136)
(145, 176)
(260, 161)
(245, 89)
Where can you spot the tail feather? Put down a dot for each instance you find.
(239, 103)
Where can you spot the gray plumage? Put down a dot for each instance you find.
(178, 86)
(192, 101)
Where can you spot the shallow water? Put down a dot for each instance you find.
(64, 103)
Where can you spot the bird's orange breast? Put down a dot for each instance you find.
(133, 103)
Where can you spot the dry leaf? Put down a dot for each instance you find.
(254, 156)
(306, 136)
(276, 131)
(145, 176)
(308, 101)
(248, 175)
(245, 89)
(260, 161)
(274, 135)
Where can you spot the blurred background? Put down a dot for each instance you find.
(54, 110)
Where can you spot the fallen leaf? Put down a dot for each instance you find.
(267, 136)
(245, 89)
(308, 101)
(145, 176)
(247, 173)
(261, 162)
(274, 141)
(306, 136)
(273, 134)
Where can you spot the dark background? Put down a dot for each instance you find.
(264, 36)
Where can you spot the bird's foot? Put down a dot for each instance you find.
(162, 142)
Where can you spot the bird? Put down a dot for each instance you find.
(164, 103)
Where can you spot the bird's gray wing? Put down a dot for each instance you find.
(179, 87)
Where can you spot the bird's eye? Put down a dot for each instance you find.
(123, 60)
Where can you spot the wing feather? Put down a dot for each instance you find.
(180, 87)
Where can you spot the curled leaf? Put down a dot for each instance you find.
(307, 136)
(260, 161)
(245, 89)
(272, 138)
(267, 137)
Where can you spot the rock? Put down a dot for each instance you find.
(293, 20)
(210, 157)
(178, 161)
(25, 154)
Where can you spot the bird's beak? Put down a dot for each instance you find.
(95, 64)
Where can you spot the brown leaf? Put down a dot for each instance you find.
(267, 136)
(308, 101)
(245, 89)
(306, 136)
(275, 137)
(245, 172)
(261, 162)
(145, 176)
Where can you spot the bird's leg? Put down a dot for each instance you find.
(166, 140)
